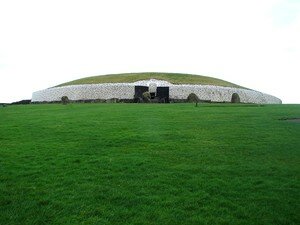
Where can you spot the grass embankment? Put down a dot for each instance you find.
(174, 78)
(149, 164)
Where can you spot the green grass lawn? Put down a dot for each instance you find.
(149, 164)
(174, 78)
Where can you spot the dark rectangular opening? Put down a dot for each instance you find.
(162, 93)
(139, 90)
(152, 94)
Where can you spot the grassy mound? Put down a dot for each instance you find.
(149, 164)
(174, 78)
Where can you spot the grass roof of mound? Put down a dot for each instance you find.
(174, 78)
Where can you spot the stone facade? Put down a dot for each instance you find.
(85, 92)
(125, 91)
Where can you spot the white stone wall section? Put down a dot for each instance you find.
(85, 92)
(126, 91)
(221, 94)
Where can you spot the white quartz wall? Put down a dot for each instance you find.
(126, 91)
(221, 94)
(85, 92)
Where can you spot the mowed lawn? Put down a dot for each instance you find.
(149, 164)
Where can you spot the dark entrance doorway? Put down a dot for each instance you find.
(235, 98)
(152, 95)
(162, 93)
(138, 92)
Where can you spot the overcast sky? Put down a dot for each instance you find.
(253, 43)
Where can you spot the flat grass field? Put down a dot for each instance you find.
(149, 164)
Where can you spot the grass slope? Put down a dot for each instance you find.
(175, 78)
(149, 164)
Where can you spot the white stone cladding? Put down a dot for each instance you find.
(85, 92)
(126, 91)
(221, 94)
